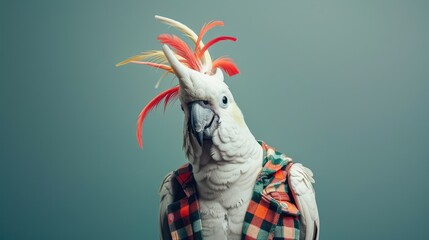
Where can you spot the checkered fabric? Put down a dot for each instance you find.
(184, 217)
(271, 213)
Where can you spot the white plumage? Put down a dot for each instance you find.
(300, 181)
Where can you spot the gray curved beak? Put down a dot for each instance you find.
(201, 119)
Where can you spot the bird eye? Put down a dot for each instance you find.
(224, 101)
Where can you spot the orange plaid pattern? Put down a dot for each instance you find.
(271, 213)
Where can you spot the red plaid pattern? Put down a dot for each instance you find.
(271, 213)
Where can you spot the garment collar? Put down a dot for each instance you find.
(272, 162)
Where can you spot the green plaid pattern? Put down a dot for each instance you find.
(271, 213)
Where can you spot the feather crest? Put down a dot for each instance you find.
(227, 65)
(187, 32)
(167, 95)
(179, 26)
(156, 56)
(160, 79)
(155, 65)
(212, 42)
(182, 49)
(203, 31)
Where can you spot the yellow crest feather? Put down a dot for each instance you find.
(187, 32)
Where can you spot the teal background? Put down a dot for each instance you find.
(341, 86)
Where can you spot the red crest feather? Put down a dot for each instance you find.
(167, 95)
(212, 42)
(226, 64)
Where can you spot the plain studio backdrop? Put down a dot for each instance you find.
(340, 86)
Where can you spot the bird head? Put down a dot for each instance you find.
(205, 98)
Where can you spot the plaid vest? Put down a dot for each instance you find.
(271, 213)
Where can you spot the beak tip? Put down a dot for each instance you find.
(200, 138)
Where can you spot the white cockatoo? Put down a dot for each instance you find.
(213, 197)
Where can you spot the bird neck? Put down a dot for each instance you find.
(228, 163)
